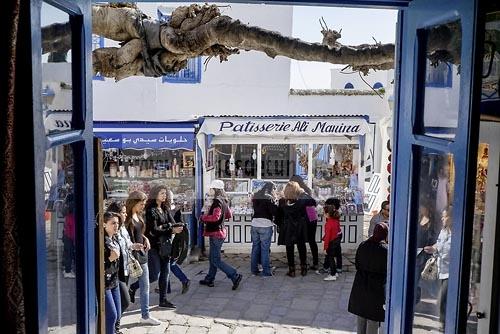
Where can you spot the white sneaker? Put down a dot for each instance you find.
(69, 275)
(330, 278)
(150, 321)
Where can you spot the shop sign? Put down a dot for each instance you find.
(58, 121)
(284, 127)
(171, 141)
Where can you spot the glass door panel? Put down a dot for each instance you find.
(60, 227)
(432, 223)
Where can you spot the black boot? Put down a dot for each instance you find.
(166, 304)
(303, 269)
(291, 271)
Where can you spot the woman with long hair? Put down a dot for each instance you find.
(135, 226)
(159, 229)
(264, 212)
(292, 219)
(312, 218)
(111, 268)
(126, 247)
(215, 230)
(442, 250)
(367, 297)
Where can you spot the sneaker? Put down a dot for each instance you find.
(69, 275)
(150, 321)
(237, 281)
(166, 304)
(330, 278)
(255, 273)
(322, 271)
(207, 283)
(185, 286)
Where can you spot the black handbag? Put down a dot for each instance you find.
(165, 249)
(141, 256)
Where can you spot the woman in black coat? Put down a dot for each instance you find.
(292, 221)
(368, 290)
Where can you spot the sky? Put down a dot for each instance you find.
(358, 27)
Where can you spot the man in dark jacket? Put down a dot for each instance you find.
(367, 298)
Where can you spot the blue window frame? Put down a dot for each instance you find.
(189, 75)
(349, 86)
(78, 139)
(377, 85)
(411, 149)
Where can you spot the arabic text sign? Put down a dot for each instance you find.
(276, 127)
(147, 140)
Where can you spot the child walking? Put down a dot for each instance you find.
(332, 239)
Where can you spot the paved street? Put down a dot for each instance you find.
(279, 304)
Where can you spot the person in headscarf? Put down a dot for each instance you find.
(367, 298)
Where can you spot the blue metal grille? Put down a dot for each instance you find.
(97, 42)
(192, 73)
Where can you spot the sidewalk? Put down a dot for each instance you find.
(278, 304)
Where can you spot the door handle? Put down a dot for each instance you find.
(480, 315)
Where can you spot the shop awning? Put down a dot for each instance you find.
(143, 135)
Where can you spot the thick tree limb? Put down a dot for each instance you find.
(153, 48)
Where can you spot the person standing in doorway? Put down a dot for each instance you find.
(215, 230)
(367, 297)
(381, 216)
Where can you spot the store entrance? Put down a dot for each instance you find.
(485, 229)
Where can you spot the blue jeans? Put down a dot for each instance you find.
(143, 284)
(159, 271)
(261, 244)
(216, 262)
(177, 271)
(113, 308)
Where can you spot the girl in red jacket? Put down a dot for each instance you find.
(332, 238)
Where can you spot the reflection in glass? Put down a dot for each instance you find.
(282, 161)
(57, 91)
(433, 226)
(236, 161)
(440, 100)
(60, 239)
(491, 60)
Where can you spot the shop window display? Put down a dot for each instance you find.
(236, 161)
(128, 170)
(335, 174)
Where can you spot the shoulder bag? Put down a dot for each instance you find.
(430, 272)
(134, 267)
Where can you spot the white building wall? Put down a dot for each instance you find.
(339, 79)
(249, 83)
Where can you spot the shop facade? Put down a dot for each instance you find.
(327, 152)
(140, 155)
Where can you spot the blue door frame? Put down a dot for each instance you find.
(419, 13)
(80, 138)
(408, 142)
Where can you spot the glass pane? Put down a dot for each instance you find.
(281, 161)
(433, 226)
(60, 239)
(235, 161)
(440, 101)
(57, 86)
(335, 174)
(491, 61)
